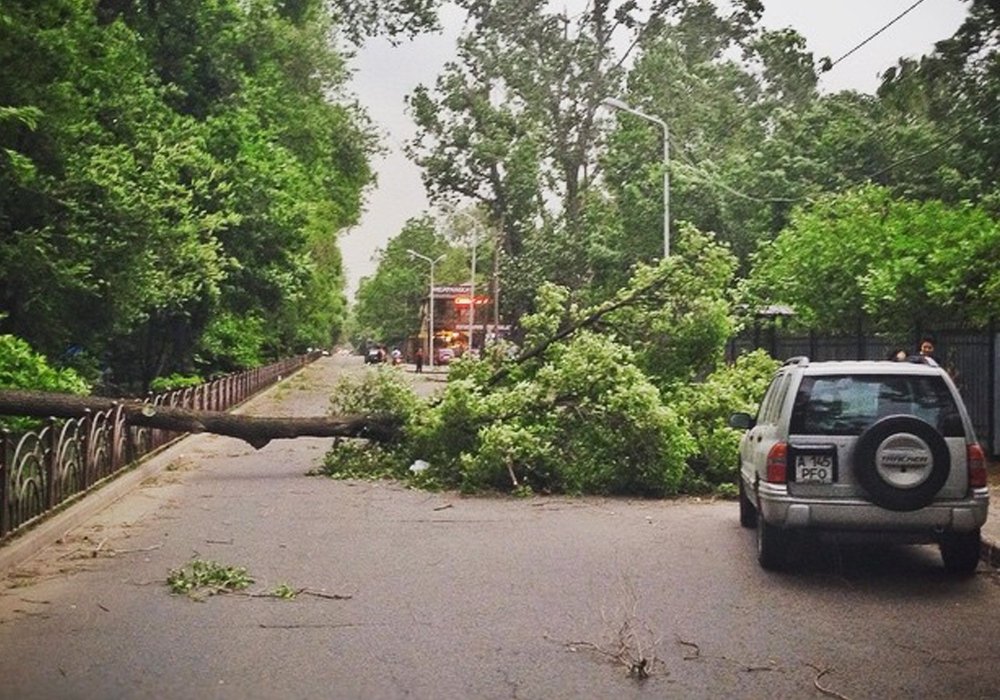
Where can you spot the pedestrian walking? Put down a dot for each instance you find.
(418, 359)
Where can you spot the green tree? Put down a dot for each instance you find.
(169, 167)
(513, 125)
(954, 95)
(722, 84)
(100, 228)
(867, 258)
(387, 308)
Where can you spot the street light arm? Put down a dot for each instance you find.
(618, 104)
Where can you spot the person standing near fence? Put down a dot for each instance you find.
(927, 347)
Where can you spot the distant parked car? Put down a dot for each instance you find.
(373, 356)
(443, 356)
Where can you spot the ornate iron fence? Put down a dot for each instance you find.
(43, 469)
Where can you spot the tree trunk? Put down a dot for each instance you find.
(258, 431)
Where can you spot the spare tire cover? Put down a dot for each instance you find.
(901, 462)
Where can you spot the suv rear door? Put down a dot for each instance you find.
(831, 411)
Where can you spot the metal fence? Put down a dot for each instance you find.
(44, 469)
(970, 356)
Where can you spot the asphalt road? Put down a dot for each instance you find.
(435, 595)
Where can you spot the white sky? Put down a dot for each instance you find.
(385, 74)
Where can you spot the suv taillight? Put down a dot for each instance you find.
(777, 463)
(976, 459)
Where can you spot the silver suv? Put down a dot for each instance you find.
(872, 448)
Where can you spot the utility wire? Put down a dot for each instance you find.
(935, 147)
(891, 22)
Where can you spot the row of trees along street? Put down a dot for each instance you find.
(173, 178)
(515, 126)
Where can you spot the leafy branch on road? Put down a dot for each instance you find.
(200, 579)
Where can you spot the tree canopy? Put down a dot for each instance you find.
(172, 179)
(517, 122)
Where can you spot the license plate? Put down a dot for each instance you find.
(815, 465)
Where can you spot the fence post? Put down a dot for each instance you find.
(4, 482)
(86, 425)
(991, 408)
(50, 455)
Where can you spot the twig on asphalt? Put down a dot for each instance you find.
(294, 593)
(329, 596)
(697, 649)
(116, 552)
(826, 691)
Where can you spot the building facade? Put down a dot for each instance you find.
(460, 322)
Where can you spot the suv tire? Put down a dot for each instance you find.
(880, 487)
(772, 546)
(748, 514)
(960, 552)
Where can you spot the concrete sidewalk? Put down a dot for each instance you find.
(991, 530)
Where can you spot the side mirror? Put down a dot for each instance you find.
(741, 421)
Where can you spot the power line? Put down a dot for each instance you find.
(898, 17)
(935, 147)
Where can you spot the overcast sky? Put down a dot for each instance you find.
(384, 75)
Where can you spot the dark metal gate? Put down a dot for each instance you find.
(970, 356)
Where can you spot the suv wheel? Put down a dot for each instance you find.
(748, 514)
(960, 552)
(772, 546)
(902, 462)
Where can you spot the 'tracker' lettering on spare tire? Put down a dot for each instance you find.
(902, 462)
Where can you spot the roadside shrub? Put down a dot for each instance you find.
(707, 406)
(174, 381)
(23, 368)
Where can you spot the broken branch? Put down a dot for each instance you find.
(257, 431)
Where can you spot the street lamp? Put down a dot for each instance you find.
(430, 333)
(472, 277)
(618, 104)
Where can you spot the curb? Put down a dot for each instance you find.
(56, 526)
(990, 552)
(60, 523)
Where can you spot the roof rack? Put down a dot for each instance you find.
(797, 360)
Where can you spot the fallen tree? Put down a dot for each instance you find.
(256, 430)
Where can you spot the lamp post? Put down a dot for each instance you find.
(618, 104)
(472, 276)
(430, 332)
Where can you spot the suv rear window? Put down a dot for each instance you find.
(847, 404)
